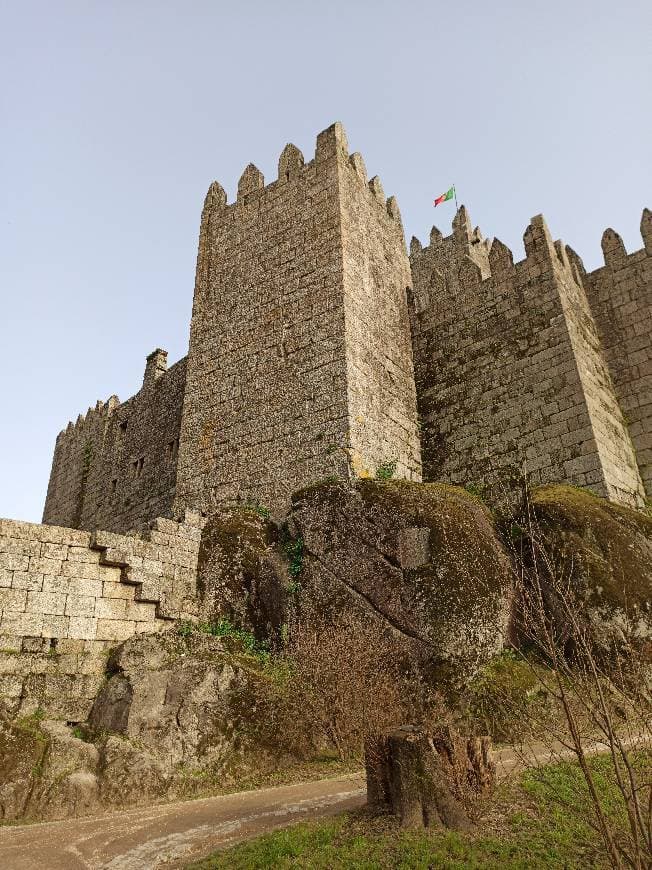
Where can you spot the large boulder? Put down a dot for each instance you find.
(242, 575)
(422, 560)
(166, 709)
(602, 552)
(167, 722)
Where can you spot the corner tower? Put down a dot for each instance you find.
(511, 374)
(620, 295)
(300, 362)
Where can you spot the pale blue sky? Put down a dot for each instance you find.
(117, 115)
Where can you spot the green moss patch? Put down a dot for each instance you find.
(607, 548)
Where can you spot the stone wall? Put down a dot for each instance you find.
(380, 370)
(620, 295)
(116, 467)
(509, 369)
(281, 341)
(67, 596)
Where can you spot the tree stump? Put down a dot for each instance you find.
(428, 779)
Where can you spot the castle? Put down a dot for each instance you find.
(318, 348)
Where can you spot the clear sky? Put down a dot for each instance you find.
(117, 114)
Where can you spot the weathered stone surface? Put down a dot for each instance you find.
(22, 749)
(511, 375)
(605, 550)
(130, 774)
(422, 559)
(242, 574)
(67, 783)
(170, 696)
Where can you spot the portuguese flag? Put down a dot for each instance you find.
(445, 196)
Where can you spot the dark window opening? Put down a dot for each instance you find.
(114, 485)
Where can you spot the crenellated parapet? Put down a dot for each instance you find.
(331, 145)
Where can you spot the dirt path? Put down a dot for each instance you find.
(168, 836)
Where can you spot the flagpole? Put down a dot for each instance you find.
(455, 194)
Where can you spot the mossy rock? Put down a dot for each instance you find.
(422, 559)
(23, 747)
(606, 552)
(241, 572)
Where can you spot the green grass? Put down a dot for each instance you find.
(531, 825)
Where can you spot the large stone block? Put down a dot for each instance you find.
(82, 627)
(111, 608)
(48, 603)
(22, 624)
(80, 605)
(115, 629)
(13, 599)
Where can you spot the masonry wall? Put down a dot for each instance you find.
(620, 295)
(68, 596)
(116, 467)
(509, 368)
(272, 375)
(381, 393)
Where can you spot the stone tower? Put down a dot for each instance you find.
(300, 362)
(620, 294)
(510, 372)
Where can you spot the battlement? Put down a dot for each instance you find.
(115, 467)
(99, 411)
(480, 259)
(331, 143)
(620, 296)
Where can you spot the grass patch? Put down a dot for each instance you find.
(530, 825)
(240, 638)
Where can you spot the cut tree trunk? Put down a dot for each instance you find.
(428, 779)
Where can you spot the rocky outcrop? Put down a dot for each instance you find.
(242, 574)
(422, 560)
(604, 552)
(163, 725)
(45, 771)
(170, 696)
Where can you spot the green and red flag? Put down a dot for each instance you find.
(445, 196)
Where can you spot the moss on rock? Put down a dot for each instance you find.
(424, 560)
(606, 551)
(240, 571)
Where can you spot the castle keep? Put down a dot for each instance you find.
(318, 349)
